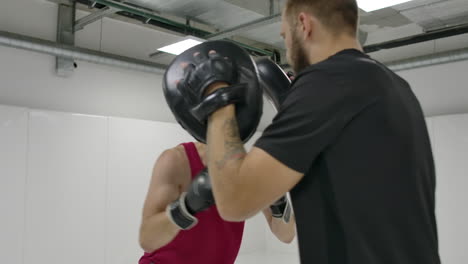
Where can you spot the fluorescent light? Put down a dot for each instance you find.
(372, 5)
(181, 46)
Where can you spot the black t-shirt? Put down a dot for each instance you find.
(357, 132)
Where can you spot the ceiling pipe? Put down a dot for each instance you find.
(427, 36)
(429, 60)
(52, 48)
(12, 40)
(421, 61)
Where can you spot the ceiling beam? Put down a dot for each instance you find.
(93, 17)
(65, 66)
(245, 27)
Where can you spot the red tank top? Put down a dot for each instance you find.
(211, 241)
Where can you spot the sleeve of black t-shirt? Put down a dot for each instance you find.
(312, 116)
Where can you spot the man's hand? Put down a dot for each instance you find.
(215, 86)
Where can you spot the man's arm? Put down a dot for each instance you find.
(243, 184)
(285, 232)
(156, 229)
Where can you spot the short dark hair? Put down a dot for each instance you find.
(336, 15)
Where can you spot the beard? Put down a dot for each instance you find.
(299, 58)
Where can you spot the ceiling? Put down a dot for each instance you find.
(408, 19)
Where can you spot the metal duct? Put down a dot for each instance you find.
(52, 48)
(429, 60)
(181, 8)
(427, 36)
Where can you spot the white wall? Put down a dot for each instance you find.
(72, 188)
(28, 80)
(441, 89)
(66, 179)
(450, 142)
(72, 185)
(13, 148)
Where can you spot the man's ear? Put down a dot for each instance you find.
(306, 24)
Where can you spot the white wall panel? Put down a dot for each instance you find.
(253, 239)
(252, 140)
(430, 130)
(282, 258)
(270, 258)
(451, 155)
(13, 138)
(273, 245)
(65, 203)
(134, 146)
(252, 258)
(258, 238)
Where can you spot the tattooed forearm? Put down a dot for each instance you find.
(233, 146)
(231, 128)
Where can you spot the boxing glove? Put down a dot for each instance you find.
(198, 197)
(281, 209)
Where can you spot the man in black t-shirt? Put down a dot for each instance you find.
(349, 142)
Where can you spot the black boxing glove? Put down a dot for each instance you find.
(198, 197)
(218, 99)
(281, 209)
(205, 71)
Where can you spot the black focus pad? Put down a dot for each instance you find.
(184, 106)
(274, 80)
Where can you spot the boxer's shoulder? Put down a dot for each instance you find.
(175, 156)
(173, 167)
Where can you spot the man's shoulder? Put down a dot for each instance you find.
(309, 82)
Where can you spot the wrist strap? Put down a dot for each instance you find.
(282, 210)
(179, 215)
(218, 99)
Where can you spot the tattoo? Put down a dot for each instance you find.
(233, 146)
(231, 128)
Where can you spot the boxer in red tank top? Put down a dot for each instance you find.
(212, 240)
